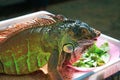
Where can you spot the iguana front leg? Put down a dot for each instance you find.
(52, 66)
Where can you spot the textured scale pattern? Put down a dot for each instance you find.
(24, 56)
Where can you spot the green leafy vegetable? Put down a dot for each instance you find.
(95, 56)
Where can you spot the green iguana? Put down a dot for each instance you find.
(27, 46)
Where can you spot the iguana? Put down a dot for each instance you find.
(27, 46)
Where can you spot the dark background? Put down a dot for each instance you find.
(103, 15)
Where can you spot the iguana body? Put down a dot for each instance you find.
(28, 46)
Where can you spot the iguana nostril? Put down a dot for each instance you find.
(97, 33)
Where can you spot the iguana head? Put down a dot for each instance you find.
(80, 34)
(78, 31)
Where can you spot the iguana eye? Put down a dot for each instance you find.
(84, 31)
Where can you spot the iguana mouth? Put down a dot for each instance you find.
(85, 44)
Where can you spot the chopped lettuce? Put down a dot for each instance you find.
(95, 56)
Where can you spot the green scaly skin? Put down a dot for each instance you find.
(31, 49)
